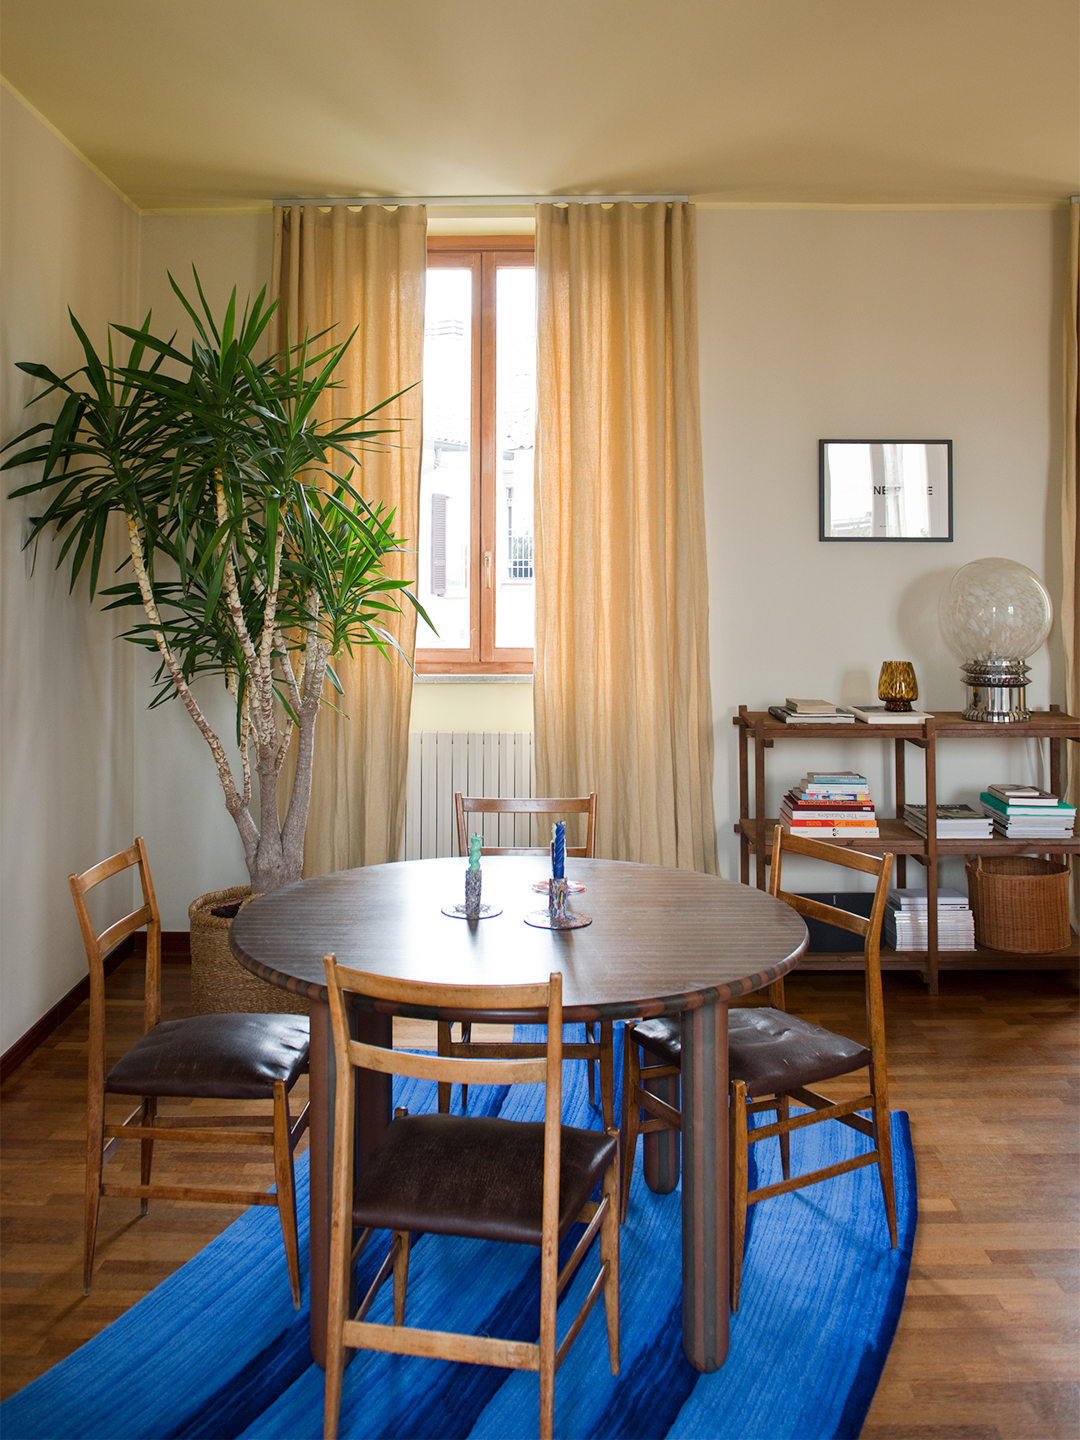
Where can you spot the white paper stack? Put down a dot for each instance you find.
(905, 926)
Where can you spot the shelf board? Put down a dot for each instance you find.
(981, 958)
(1043, 725)
(948, 725)
(857, 730)
(897, 838)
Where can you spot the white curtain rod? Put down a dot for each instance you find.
(474, 201)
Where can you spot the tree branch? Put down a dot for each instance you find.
(234, 803)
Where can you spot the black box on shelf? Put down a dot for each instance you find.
(829, 939)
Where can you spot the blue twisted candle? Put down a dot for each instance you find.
(558, 852)
(475, 841)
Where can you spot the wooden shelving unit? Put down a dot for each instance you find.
(759, 731)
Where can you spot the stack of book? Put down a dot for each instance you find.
(905, 926)
(954, 822)
(810, 712)
(833, 806)
(1020, 813)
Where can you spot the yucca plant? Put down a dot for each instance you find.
(252, 554)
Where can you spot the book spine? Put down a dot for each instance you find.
(836, 832)
(838, 816)
(804, 797)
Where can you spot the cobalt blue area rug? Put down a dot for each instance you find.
(218, 1352)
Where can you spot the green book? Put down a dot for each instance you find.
(1019, 808)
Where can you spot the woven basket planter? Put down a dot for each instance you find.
(1020, 903)
(219, 983)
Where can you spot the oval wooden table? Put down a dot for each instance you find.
(661, 942)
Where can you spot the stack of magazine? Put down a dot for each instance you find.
(810, 712)
(954, 822)
(1020, 812)
(832, 806)
(905, 926)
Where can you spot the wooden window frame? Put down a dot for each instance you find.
(483, 255)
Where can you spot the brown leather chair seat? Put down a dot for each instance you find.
(219, 1057)
(774, 1052)
(769, 1050)
(662, 1037)
(481, 1178)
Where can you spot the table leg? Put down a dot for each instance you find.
(373, 1115)
(660, 1148)
(705, 1201)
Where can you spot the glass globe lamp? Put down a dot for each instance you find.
(994, 613)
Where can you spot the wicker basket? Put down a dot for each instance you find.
(1020, 903)
(219, 983)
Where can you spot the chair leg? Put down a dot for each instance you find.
(609, 1254)
(402, 1241)
(146, 1159)
(444, 1049)
(466, 1036)
(590, 1039)
(739, 1147)
(95, 1141)
(336, 1313)
(783, 1112)
(286, 1192)
(607, 1073)
(631, 1118)
(444, 1042)
(883, 1135)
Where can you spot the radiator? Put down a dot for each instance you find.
(476, 763)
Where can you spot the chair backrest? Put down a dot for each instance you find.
(869, 927)
(98, 946)
(351, 1055)
(525, 805)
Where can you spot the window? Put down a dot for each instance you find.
(476, 481)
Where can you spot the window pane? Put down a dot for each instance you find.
(446, 471)
(515, 438)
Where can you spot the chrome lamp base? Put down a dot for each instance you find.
(997, 691)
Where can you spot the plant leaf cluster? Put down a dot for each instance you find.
(233, 485)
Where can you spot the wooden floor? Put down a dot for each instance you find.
(987, 1345)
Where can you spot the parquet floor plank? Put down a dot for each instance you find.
(986, 1347)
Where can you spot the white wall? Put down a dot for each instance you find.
(66, 795)
(857, 324)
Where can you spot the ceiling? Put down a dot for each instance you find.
(216, 105)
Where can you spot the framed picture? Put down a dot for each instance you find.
(885, 489)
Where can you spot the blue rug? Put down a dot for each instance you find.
(217, 1351)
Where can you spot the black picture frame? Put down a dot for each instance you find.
(937, 465)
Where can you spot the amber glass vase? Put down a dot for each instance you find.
(897, 685)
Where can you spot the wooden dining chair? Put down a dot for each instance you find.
(481, 1178)
(774, 1057)
(593, 1051)
(465, 805)
(204, 1057)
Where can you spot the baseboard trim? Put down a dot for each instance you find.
(175, 950)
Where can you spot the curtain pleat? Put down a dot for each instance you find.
(621, 683)
(1070, 521)
(363, 270)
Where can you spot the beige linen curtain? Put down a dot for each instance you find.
(363, 269)
(1070, 522)
(622, 698)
